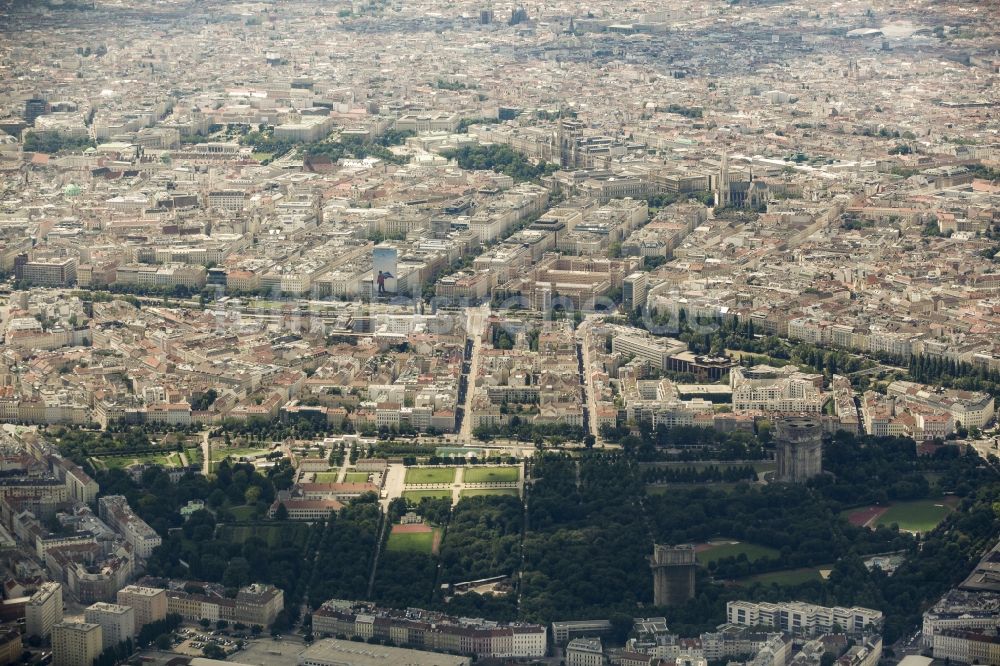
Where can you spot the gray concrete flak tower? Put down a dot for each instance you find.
(799, 443)
(673, 574)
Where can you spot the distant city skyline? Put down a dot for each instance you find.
(628, 332)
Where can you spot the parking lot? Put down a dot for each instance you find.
(195, 640)
(262, 651)
(265, 651)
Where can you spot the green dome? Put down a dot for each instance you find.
(72, 190)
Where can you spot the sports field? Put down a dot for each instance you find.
(917, 516)
(414, 539)
(491, 474)
(430, 475)
(865, 516)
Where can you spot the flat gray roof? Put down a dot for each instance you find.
(582, 623)
(337, 652)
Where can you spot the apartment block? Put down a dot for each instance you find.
(585, 652)
(767, 389)
(801, 618)
(259, 604)
(117, 622)
(429, 630)
(976, 612)
(148, 604)
(116, 512)
(76, 643)
(44, 610)
(970, 409)
(655, 351)
(967, 647)
(162, 276)
(46, 272)
(11, 645)
(256, 604)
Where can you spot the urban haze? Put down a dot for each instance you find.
(446, 332)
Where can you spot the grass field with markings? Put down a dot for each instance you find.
(415, 475)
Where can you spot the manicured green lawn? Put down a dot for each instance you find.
(752, 551)
(491, 474)
(242, 512)
(654, 489)
(172, 459)
(221, 453)
(917, 516)
(292, 534)
(357, 477)
(194, 455)
(430, 475)
(481, 492)
(759, 359)
(788, 576)
(415, 496)
(411, 542)
(326, 477)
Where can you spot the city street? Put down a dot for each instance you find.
(583, 336)
(476, 318)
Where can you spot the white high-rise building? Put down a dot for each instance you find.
(800, 618)
(43, 610)
(148, 603)
(75, 643)
(117, 622)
